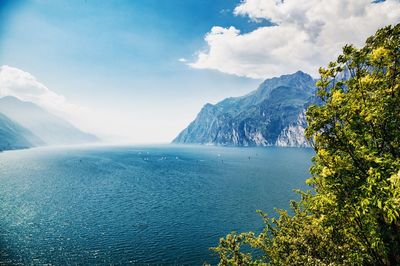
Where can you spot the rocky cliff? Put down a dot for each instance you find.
(274, 114)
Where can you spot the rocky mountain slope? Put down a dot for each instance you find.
(13, 136)
(274, 114)
(52, 129)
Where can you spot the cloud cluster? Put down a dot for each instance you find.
(24, 86)
(306, 34)
(107, 124)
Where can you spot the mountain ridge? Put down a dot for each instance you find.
(50, 128)
(271, 115)
(13, 136)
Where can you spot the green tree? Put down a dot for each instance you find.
(351, 214)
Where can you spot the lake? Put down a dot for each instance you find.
(142, 205)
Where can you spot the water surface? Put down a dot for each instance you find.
(143, 205)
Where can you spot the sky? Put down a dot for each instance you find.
(139, 71)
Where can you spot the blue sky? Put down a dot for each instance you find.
(122, 56)
(116, 63)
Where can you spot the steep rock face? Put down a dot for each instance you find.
(271, 115)
(293, 135)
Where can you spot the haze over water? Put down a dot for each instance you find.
(138, 204)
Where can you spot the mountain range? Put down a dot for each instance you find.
(272, 115)
(25, 124)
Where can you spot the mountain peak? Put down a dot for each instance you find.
(15, 101)
(299, 72)
(288, 77)
(9, 98)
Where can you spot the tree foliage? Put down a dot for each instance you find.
(351, 214)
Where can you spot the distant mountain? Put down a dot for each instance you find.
(48, 127)
(13, 136)
(274, 114)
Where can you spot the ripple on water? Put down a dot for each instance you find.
(109, 205)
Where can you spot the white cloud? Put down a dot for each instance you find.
(182, 60)
(24, 86)
(307, 34)
(110, 123)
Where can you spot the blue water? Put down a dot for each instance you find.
(142, 205)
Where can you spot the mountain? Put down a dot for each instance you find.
(274, 114)
(13, 136)
(51, 129)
